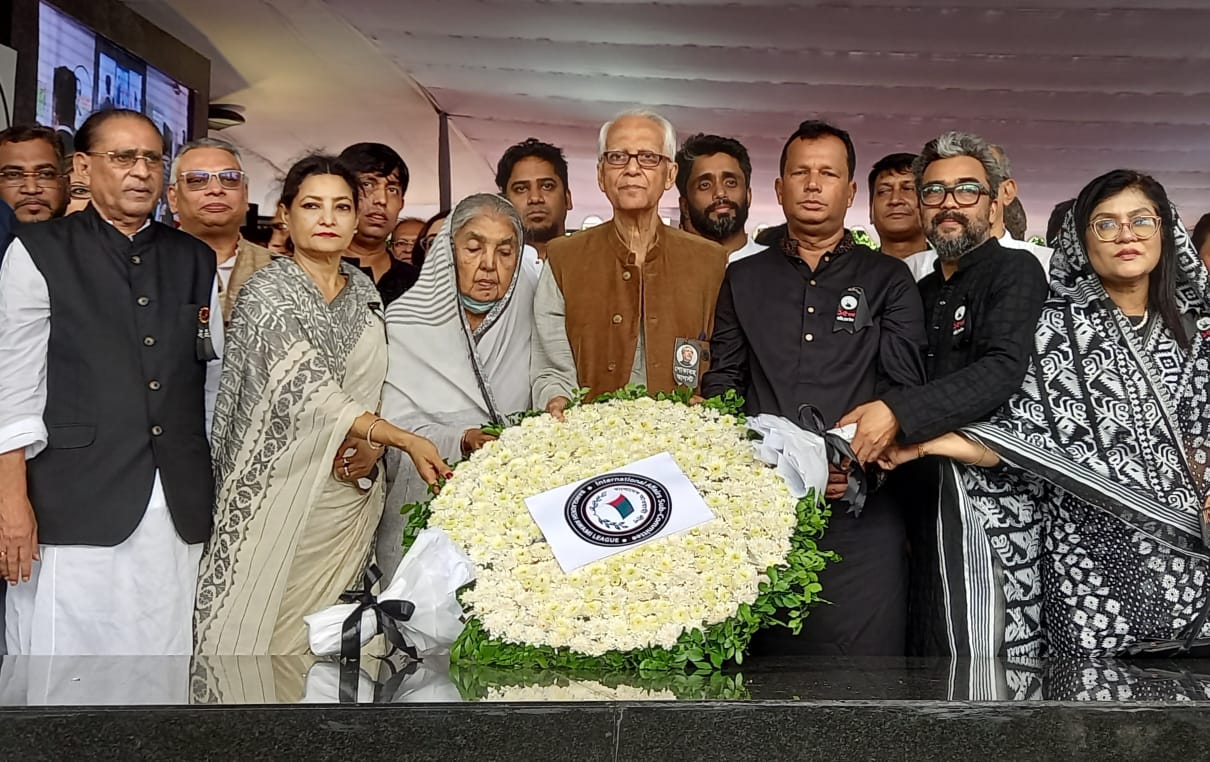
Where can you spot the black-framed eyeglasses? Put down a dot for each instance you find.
(128, 158)
(42, 177)
(1141, 227)
(196, 179)
(646, 159)
(965, 194)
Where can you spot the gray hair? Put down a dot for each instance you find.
(669, 147)
(954, 144)
(479, 204)
(193, 145)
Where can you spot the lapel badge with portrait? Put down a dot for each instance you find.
(853, 311)
(687, 362)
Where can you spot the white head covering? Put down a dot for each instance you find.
(439, 372)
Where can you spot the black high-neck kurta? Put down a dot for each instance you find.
(834, 337)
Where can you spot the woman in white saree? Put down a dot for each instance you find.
(458, 344)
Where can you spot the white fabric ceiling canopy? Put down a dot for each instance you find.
(1071, 90)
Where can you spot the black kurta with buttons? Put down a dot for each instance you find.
(834, 337)
(981, 324)
(125, 377)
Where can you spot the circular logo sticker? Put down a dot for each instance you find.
(618, 509)
(960, 312)
(848, 302)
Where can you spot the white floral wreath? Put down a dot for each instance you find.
(694, 598)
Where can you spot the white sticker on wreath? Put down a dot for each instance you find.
(613, 512)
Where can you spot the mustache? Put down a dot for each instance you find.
(719, 205)
(951, 216)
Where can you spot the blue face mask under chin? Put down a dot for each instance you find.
(476, 306)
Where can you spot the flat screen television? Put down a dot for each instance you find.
(80, 71)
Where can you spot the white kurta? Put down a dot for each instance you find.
(133, 598)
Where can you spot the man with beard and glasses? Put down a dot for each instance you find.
(384, 181)
(894, 208)
(818, 320)
(981, 303)
(532, 175)
(1008, 206)
(714, 177)
(31, 173)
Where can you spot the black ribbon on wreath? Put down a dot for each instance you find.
(389, 615)
(840, 455)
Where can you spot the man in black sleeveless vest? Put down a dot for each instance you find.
(106, 493)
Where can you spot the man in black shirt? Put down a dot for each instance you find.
(817, 319)
(982, 302)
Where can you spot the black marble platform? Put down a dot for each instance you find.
(290, 708)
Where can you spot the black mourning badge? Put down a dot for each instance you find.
(853, 312)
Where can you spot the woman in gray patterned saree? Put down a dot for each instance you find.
(1093, 481)
(304, 365)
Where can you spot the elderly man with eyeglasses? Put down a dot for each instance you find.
(617, 301)
(106, 490)
(208, 192)
(981, 303)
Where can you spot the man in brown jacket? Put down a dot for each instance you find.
(208, 191)
(616, 303)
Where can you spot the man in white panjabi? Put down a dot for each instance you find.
(106, 491)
